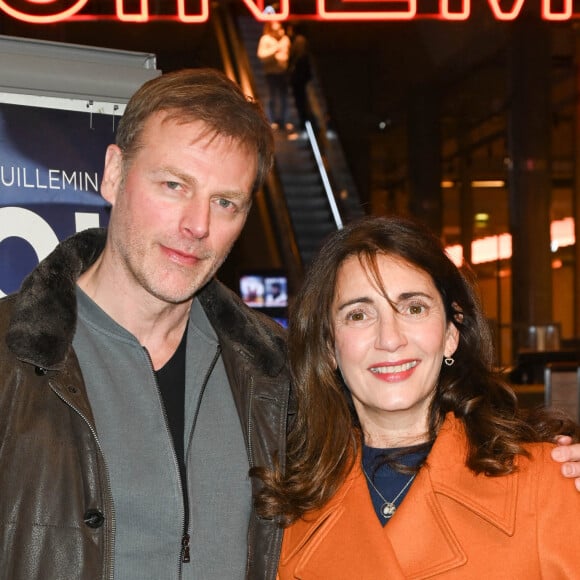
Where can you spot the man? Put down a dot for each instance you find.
(136, 392)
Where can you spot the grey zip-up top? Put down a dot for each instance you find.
(56, 516)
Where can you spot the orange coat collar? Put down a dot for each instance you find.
(415, 545)
(435, 548)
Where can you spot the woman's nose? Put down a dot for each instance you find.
(390, 334)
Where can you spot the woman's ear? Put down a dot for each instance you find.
(333, 361)
(331, 356)
(451, 339)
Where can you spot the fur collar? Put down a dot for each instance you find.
(254, 335)
(44, 312)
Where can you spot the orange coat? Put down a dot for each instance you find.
(452, 524)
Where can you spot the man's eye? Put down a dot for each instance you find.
(172, 184)
(225, 203)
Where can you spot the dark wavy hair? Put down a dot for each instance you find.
(201, 94)
(325, 435)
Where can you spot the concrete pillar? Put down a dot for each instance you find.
(576, 197)
(529, 135)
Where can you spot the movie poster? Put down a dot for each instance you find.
(51, 164)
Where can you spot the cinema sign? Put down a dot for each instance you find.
(197, 11)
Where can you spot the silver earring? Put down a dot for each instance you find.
(449, 360)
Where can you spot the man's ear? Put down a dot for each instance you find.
(112, 174)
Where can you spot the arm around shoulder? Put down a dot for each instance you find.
(568, 454)
(558, 521)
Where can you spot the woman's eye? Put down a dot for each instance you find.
(356, 316)
(416, 309)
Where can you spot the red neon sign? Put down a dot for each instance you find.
(198, 11)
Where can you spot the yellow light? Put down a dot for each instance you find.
(483, 183)
(499, 247)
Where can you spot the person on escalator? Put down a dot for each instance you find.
(273, 52)
(300, 74)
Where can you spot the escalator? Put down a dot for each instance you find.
(316, 187)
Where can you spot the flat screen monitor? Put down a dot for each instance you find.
(264, 290)
(268, 292)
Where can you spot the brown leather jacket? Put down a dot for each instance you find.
(56, 516)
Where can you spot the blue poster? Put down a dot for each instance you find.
(51, 164)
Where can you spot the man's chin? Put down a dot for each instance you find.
(180, 295)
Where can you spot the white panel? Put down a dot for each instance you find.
(67, 104)
(72, 71)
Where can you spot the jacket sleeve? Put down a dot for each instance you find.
(557, 505)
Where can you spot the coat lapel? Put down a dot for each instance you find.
(342, 541)
(421, 534)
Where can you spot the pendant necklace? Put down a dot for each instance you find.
(388, 508)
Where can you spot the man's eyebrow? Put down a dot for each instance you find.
(191, 180)
(171, 171)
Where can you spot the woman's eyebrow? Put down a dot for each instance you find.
(359, 300)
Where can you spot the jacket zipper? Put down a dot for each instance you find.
(111, 507)
(185, 540)
(249, 446)
(184, 549)
(201, 392)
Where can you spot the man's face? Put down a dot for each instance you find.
(179, 204)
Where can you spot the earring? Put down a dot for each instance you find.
(449, 360)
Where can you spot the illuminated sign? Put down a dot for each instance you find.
(198, 11)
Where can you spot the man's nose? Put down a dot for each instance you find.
(196, 218)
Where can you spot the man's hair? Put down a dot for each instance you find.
(205, 95)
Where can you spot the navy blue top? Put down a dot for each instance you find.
(387, 480)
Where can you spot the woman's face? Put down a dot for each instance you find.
(276, 30)
(390, 351)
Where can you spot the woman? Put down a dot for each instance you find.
(408, 457)
(274, 52)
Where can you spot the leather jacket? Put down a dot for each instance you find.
(56, 511)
